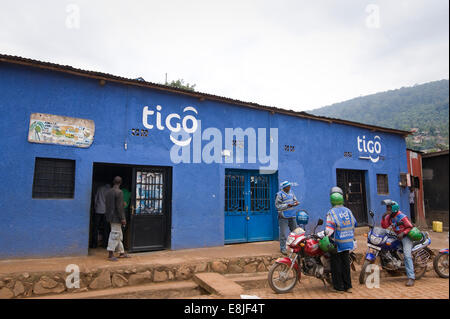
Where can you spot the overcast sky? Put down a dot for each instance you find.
(291, 54)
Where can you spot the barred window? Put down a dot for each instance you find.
(53, 178)
(382, 184)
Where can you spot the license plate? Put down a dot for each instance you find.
(373, 247)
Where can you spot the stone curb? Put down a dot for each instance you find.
(26, 285)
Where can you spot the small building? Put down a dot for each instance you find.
(203, 170)
(435, 186)
(415, 185)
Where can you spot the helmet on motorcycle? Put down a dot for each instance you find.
(415, 234)
(326, 246)
(302, 217)
(324, 243)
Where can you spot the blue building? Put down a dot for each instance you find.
(202, 169)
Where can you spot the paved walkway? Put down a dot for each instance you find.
(429, 287)
(97, 258)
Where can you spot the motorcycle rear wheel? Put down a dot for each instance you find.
(419, 272)
(286, 283)
(441, 260)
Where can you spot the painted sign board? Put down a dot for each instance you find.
(62, 130)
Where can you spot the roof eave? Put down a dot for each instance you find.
(199, 95)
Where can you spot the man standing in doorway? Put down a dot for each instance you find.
(115, 215)
(341, 228)
(412, 206)
(99, 216)
(285, 203)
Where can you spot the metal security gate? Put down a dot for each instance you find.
(249, 206)
(150, 209)
(352, 182)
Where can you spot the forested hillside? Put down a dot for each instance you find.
(422, 108)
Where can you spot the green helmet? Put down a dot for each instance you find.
(324, 244)
(336, 196)
(415, 234)
(336, 199)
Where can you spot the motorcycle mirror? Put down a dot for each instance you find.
(320, 222)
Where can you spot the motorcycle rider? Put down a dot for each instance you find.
(285, 203)
(401, 226)
(340, 227)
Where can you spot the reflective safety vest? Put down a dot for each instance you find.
(288, 199)
(396, 219)
(345, 228)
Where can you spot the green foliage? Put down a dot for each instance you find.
(181, 85)
(423, 107)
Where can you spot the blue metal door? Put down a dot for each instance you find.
(249, 206)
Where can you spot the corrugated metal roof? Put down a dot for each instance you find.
(202, 96)
(434, 154)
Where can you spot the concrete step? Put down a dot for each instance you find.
(177, 289)
(250, 280)
(218, 284)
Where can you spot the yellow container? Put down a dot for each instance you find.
(437, 227)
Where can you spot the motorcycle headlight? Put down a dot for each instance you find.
(290, 240)
(375, 240)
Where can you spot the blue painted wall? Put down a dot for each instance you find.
(41, 227)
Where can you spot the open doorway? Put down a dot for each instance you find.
(148, 211)
(103, 174)
(353, 184)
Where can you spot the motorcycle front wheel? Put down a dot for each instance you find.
(440, 264)
(363, 274)
(282, 278)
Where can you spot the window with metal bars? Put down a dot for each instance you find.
(149, 192)
(234, 193)
(260, 193)
(53, 178)
(382, 184)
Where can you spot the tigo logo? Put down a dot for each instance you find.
(170, 119)
(373, 147)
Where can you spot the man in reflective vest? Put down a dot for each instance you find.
(340, 227)
(285, 203)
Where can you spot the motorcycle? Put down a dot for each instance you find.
(440, 263)
(305, 257)
(384, 243)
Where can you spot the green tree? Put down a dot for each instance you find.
(181, 85)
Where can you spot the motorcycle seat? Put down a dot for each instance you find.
(420, 242)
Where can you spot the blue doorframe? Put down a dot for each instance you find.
(250, 213)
